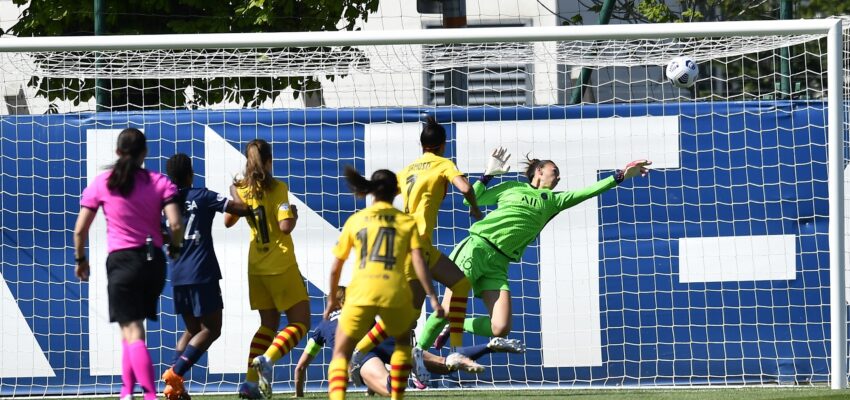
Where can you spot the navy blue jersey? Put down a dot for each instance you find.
(197, 262)
(383, 351)
(325, 335)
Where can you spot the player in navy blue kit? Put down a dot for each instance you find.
(372, 370)
(195, 273)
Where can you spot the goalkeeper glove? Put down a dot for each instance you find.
(632, 169)
(497, 164)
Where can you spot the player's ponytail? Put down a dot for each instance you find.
(359, 185)
(531, 166)
(258, 154)
(383, 185)
(433, 135)
(132, 148)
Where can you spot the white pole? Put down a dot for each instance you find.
(415, 36)
(837, 305)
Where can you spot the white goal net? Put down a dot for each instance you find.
(714, 270)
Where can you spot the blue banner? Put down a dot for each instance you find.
(745, 171)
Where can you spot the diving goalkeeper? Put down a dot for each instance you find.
(523, 210)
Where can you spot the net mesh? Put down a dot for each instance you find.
(713, 270)
(269, 62)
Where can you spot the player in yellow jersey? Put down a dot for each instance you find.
(275, 284)
(382, 238)
(423, 184)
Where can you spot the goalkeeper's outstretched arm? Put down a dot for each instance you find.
(632, 169)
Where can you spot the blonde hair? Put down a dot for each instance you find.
(256, 178)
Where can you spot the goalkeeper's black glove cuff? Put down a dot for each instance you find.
(619, 176)
(485, 179)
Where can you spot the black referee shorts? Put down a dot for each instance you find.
(134, 284)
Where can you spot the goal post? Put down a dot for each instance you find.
(426, 36)
(726, 266)
(836, 131)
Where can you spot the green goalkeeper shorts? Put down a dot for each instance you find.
(483, 265)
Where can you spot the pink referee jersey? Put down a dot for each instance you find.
(130, 220)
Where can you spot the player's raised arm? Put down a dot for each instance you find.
(462, 185)
(631, 170)
(497, 164)
(635, 168)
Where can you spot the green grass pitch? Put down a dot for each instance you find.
(809, 393)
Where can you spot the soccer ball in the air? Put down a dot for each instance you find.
(682, 72)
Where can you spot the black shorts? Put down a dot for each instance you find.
(198, 299)
(134, 284)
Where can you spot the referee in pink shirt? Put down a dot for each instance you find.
(133, 199)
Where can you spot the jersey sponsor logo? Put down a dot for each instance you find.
(284, 207)
(380, 217)
(531, 201)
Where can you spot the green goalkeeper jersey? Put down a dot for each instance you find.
(523, 211)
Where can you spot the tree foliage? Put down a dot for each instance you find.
(660, 11)
(132, 17)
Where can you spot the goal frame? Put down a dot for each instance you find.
(831, 28)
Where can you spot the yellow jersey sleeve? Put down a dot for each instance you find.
(345, 242)
(282, 200)
(449, 170)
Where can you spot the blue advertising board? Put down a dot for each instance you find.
(752, 173)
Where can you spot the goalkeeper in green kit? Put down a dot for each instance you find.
(523, 209)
